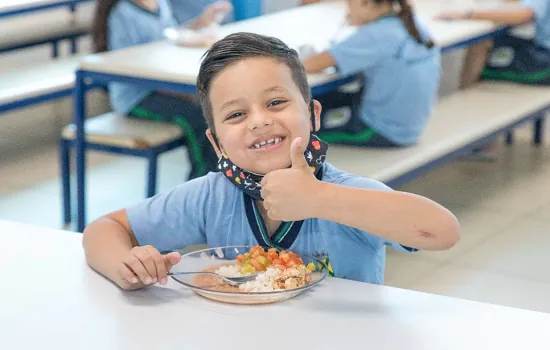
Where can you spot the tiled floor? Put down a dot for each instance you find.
(504, 209)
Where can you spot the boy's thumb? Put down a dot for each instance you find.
(172, 258)
(297, 154)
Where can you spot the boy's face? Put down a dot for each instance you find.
(258, 110)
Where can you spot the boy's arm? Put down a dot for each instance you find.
(125, 245)
(319, 62)
(408, 219)
(514, 16)
(106, 242)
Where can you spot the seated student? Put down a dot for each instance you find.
(120, 24)
(274, 188)
(510, 57)
(401, 69)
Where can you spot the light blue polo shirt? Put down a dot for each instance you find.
(541, 8)
(130, 24)
(211, 210)
(401, 77)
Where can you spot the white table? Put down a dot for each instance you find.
(50, 299)
(17, 7)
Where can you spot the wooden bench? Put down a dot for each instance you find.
(459, 123)
(45, 28)
(25, 86)
(114, 133)
(106, 133)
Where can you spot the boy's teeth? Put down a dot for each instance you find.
(268, 142)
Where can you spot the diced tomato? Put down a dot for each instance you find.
(257, 266)
(291, 263)
(272, 256)
(278, 262)
(240, 259)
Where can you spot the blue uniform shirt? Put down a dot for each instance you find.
(402, 77)
(211, 210)
(130, 24)
(541, 8)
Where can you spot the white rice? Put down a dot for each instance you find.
(229, 271)
(264, 282)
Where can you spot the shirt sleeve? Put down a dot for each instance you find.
(359, 52)
(367, 238)
(539, 7)
(173, 220)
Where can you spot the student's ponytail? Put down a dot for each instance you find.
(407, 16)
(100, 24)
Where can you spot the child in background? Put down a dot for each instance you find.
(510, 57)
(401, 69)
(274, 187)
(120, 24)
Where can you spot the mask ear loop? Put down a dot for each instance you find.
(215, 138)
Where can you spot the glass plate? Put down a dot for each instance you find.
(213, 288)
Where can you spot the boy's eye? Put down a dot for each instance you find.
(234, 115)
(276, 103)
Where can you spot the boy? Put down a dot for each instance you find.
(256, 100)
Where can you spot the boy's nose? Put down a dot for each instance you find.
(258, 120)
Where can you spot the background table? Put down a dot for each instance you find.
(50, 299)
(18, 7)
(164, 66)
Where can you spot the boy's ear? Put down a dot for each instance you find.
(317, 109)
(213, 142)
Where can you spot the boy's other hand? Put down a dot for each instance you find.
(146, 265)
(288, 193)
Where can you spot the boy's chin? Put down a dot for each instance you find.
(264, 169)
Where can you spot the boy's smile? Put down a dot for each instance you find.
(258, 110)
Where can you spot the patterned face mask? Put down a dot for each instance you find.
(249, 182)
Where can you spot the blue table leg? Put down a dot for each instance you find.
(538, 130)
(79, 115)
(510, 138)
(55, 49)
(152, 174)
(244, 9)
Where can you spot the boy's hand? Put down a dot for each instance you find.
(147, 265)
(288, 193)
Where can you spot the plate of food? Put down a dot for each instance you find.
(279, 274)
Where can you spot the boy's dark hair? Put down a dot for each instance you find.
(240, 46)
(406, 14)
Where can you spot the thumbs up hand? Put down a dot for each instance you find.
(289, 194)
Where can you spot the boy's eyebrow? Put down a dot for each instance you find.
(230, 103)
(275, 88)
